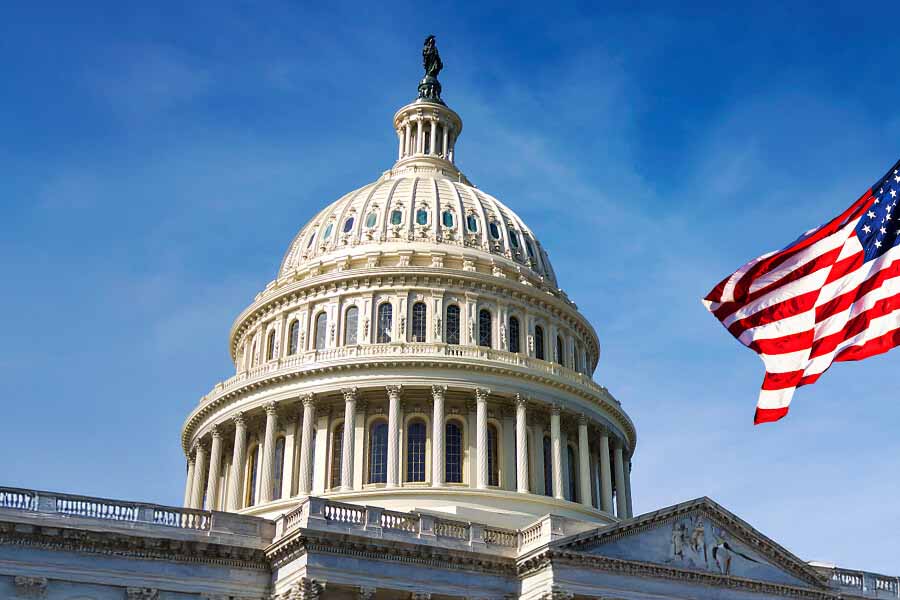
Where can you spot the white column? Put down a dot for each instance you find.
(215, 461)
(437, 435)
(349, 434)
(199, 472)
(556, 455)
(393, 462)
(521, 446)
(238, 458)
(621, 494)
(629, 511)
(304, 485)
(481, 396)
(287, 473)
(189, 483)
(268, 455)
(406, 132)
(446, 136)
(420, 137)
(584, 462)
(433, 137)
(606, 500)
(399, 145)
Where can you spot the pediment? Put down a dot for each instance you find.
(698, 535)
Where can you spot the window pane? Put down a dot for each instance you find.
(448, 218)
(422, 216)
(559, 350)
(495, 230)
(548, 468)
(279, 469)
(385, 316)
(419, 322)
(452, 336)
(270, 346)
(472, 223)
(513, 334)
(484, 328)
(378, 453)
(312, 238)
(453, 453)
(371, 219)
(539, 342)
(493, 465)
(295, 337)
(513, 238)
(321, 330)
(337, 448)
(348, 225)
(328, 231)
(415, 452)
(251, 487)
(530, 249)
(396, 217)
(351, 326)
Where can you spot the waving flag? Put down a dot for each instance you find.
(832, 295)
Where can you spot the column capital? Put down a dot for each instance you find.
(350, 393)
(270, 408)
(393, 390)
(481, 394)
(438, 390)
(420, 596)
(215, 431)
(521, 400)
(308, 399)
(556, 409)
(366, 592)
(582, 420)
(238, 419)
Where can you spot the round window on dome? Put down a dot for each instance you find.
(422, 216)
(513, 237)
(371, 219)
(312, 238)
(472, 223)
(447, 218)
(396, 217)
(328, 231)
(348, 225)
(495, 230)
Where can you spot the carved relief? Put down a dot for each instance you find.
(31, 587)
(690, 546)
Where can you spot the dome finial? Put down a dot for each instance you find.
(430, 87)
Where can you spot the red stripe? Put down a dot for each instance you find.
(764, 266)
(846, 266)
(767, 415)
(776, 312)
(793, 342)
(855, 326)
(820, 262)
(780, 381)
(878, 345)
(715, 295)
(847, 299)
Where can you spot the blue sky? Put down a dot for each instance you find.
(158, 158)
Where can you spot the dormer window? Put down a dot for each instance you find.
(328, 231)
(447, 219)
(495, 230)
(422, 217)
(371, 219)
(396, 217)
(348, 225)
(472, 223)
(312, 238)
(513, 238)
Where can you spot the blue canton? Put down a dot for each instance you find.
(879, 229)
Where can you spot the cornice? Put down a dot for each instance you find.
(551, 557)
(274, 299)
(116, 544)
(602, 399)
(305, 541)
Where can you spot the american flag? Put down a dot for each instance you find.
(832, 295)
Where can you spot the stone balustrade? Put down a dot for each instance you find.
(319, 358)
(133, 514)
(321, 514)
(860, 583)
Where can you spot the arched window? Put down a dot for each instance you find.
(294, 337)
(472, 223)
(452, 336)
(493, 456)
(419, 314)
(348, 225)
(415, 451)
(371, 219)
(337, 448)
(548, 467)
(539, 342)
(422, 217)
(495, 230)
(513, 238)
(252, 469)
(573, 474)
(396, 217)
(560, 356)
(447, 218)
(453, 453)
(351, 321)
(270, 345)
(484, 328)
(514, 334)
(328, 231)
(278, 475)
(321, 330)
(378, 442)
(385, 318)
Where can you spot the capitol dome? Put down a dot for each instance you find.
(424, 313)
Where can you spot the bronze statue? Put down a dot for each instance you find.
(430, 87)
(431, 59)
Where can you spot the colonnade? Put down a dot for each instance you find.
(601, 469)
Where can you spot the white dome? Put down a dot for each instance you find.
(417, 205)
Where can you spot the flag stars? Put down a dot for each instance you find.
(870, 214)
(877, 243)
(867, 229)
(893, 193)
(883, 231)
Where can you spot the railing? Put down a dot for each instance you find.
(313, 357)
(451, 529)
(865, 584)
(400, 521)
(103, 509)
(500, 537)
(532, 534)
(345, 513)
